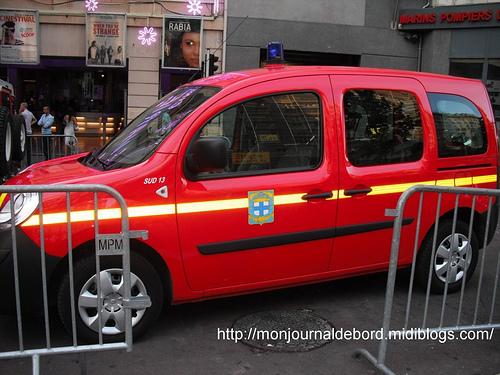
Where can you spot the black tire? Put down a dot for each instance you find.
(438, 282)
(84, 270)
(5, 144)
(18, 138)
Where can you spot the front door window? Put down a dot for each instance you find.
(269, 134)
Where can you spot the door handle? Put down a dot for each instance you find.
(325, 195)
(351, 192)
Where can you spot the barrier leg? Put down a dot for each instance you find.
(83, 363)
(370, 358)
(36, 364)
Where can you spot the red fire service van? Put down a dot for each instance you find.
(262, 179)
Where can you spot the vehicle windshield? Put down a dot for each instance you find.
(137, 141)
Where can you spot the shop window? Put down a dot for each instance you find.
(273, 133)
(489, 69)
(493, 86)
(459, 126)
(466, 68)
(382, 127)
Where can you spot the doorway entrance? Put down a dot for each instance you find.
(94, 95)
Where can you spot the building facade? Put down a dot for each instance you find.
(460, 38)
(341, 32)
(317, 32)
(369, 33)
(104, 93)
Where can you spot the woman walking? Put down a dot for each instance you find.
(70, 125)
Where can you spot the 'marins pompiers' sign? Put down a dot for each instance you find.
(482, 15)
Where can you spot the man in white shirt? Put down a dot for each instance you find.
(46, 121)
(29, 119)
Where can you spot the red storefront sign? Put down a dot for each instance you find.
(450, 17)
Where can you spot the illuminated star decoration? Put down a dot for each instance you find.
(91, 5)
(147, 36)
(194, 7)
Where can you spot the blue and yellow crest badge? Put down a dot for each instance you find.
(260, 207)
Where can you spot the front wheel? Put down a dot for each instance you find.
(144, 282)
(453, 258)
(5, 141)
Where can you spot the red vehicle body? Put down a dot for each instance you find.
(329, 220)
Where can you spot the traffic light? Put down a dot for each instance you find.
(212, 68)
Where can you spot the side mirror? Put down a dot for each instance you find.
(208, 154)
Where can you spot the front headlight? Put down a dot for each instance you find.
(24, 206)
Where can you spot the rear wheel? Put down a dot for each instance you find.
(453, 258)
(5, 141)
(144, 282)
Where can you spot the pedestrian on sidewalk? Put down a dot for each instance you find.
(46, 121)
(28, 119)
(70, 125)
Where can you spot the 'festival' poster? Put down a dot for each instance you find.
(19, 38)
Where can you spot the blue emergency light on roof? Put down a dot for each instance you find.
(275, 52)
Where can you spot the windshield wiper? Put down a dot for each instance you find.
(91, 158)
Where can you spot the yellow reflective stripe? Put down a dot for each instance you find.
(341, 195)
(158, 210)
(389, 189)
(56, 218)
(2, 198)
(102, 214)
(397, 188)
(230, 204)
(289, 199)
(447, 182)
(226, 204)
(169, 209)
(463, 181)
(484, 179)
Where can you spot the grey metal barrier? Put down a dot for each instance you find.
(45, 147)
(443, 312)
(129, 302)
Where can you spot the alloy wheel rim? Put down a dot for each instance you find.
(112, 311)
(452, 258)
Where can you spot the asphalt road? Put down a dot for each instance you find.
(184, 340)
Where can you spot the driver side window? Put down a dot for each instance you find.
(269, 134)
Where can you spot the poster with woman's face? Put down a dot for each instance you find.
(182, 38)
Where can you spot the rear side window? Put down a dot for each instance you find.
(459, 126)
(270, 133)
(382, 127)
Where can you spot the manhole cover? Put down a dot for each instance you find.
(284, 331)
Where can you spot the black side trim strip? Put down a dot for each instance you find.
(370, 227)
(290, 238)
